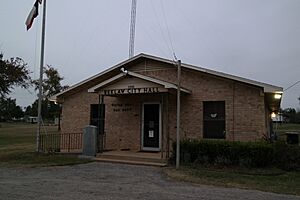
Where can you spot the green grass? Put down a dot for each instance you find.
(18, 143)
(281, 129)
(270, 180)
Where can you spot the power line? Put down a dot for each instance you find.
(168, 31)
(160, 28)
(195, 30)
(158, 44)
(291, 86)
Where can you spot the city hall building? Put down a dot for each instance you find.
(134, 104)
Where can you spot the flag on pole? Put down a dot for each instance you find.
(33, 14)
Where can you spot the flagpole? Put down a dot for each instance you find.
(41, 79)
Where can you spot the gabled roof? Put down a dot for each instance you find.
(166, 85)
(266, 87)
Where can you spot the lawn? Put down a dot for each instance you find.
(18, 144)
(281, 129)
(270, 180)
(17, 148)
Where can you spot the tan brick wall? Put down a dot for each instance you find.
(123, 120)
(244, 104)
(76, 111)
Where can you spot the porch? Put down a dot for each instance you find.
(72, 143)
(133, 157)
(133, 114)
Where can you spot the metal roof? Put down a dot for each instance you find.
(266, 87)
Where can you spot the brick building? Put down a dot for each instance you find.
(134, 103)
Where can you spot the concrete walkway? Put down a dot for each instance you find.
(111, 181)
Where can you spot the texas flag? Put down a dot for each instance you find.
(33, 14)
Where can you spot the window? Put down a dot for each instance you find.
(97, 119)
(94, 114)
(214, 119)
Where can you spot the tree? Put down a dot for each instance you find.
(47, 109)
(289, 115)
(9, 109)
(28, 111)
(13, 73)
(51, 85)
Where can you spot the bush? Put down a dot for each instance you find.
(246, 154)
(287, 156)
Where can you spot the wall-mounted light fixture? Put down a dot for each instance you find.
(123, 70)
(273, 115)
(277, 96)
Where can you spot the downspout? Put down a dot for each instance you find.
(162, 124)
(168, 132)
(100, 134)
(267, 132)
(233, 110)
(99, 110)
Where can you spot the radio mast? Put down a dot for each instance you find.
(132, 28)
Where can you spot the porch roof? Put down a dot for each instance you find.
(116, 78)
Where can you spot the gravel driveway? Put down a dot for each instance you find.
(110, 181)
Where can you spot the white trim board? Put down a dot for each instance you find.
(166, 85)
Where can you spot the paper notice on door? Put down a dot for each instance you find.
(151, 133)
(151, 124)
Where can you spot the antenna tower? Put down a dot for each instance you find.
(132, 28)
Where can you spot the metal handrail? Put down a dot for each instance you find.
(58, 142)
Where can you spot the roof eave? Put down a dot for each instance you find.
(267, 88)
(99, 74)
(166, 85)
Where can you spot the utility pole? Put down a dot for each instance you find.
(38, 133)
(178, 115)
(132, 28)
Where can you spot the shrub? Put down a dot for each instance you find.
(226, 153)
(287, 156)
(246, 154)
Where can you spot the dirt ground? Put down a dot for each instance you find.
(111, 181)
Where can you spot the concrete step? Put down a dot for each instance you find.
(132, 158)
(139, 158)
(132, 162)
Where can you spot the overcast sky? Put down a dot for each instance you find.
(256, 39)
